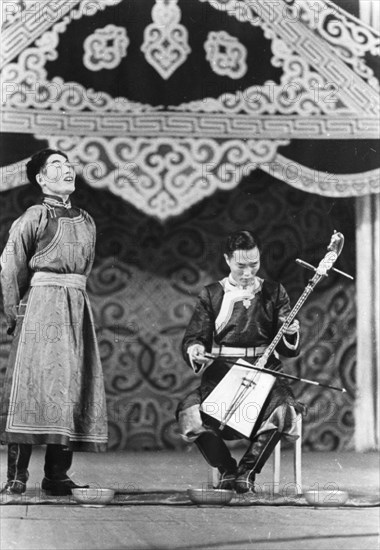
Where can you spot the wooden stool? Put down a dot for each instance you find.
(213, 473)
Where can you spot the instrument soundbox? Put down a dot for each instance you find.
(224, 404)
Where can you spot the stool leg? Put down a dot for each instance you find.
(213, 477)
(298, 465)
(276, 467)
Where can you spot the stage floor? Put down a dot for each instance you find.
(268, 524)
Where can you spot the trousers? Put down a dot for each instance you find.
(218, 455)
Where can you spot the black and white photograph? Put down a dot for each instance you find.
(190, 274)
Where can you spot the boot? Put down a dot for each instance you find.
(58, 461)
(18, 463)
(254, 459)
(218, 455)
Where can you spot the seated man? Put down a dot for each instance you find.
(238, 317)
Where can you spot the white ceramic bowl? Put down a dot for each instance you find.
(210, 496)
(326, 498)
(94, 496)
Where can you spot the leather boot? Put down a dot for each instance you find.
(254, 459)
(218, 455)
(58, 461)
(18, 462)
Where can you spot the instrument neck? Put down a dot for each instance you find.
(301, 300)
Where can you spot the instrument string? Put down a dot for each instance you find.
(247, 383)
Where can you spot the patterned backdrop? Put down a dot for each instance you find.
(147, 275)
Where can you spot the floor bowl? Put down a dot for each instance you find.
(94, 496)
(217, 497)
(326, 498)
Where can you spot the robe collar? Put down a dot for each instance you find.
(56, 200)
(230, 284)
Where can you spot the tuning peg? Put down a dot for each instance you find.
(343, 273)
(312, 268)
(305, 264)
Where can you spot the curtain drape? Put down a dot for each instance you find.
(367, 279)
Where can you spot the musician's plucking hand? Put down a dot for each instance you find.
(293, 328)
(238, 317)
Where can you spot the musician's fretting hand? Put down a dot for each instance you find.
(293, 328)
(198, 361)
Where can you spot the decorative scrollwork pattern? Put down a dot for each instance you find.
(298, 37)
(163, 177)
(351, 39)
(165, 40)
(31, 87)
(226, 55)
(105, 48)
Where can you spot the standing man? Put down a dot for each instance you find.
(53, 393)
(238, 317)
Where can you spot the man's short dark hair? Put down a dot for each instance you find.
(241, 240)
(38, 161)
